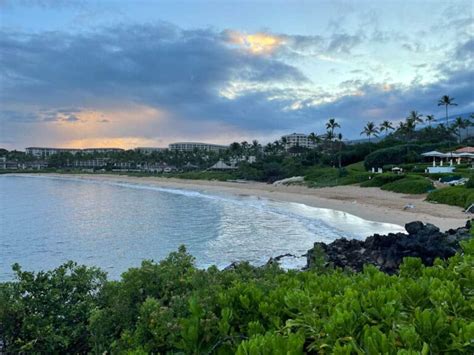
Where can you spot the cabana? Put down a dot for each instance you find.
(435, 154)
(440, 169)
(220, 165)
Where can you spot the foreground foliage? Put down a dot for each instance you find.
(172, 306)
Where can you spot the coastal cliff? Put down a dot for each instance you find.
(386, 252)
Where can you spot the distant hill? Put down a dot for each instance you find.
(451, 118)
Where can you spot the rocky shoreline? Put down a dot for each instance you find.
(386, 252)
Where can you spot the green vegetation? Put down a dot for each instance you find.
(410, 185)
(174, 307)
(203, 175)
(382, 179)
(324, 177)
(461, 196)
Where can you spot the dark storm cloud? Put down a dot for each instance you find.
(183, 72)
(156, 65)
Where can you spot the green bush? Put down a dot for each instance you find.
(470, 183)
(409, 185)
(204, 175)
(455, 195)
(382, 179)
(173, 307)
(395, 155)
(324, 177)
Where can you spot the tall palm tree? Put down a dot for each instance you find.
(386, 126)
(370, 129)
(429, 119)
(415, 117)
(339, 140)
(331, 125)
(446, 101)
(469, 123)
(459, 124)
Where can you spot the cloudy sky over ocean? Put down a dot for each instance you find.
(146, 73)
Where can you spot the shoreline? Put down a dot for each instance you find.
(371, 204)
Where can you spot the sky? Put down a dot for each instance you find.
(147, 73)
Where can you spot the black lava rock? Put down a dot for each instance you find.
(386, 252)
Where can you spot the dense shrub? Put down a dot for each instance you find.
(395, 155)
(456, 196)
(172, 307)
(409, 185)
(323, 177)
(470, 183)
(204, 175)
(382, 179)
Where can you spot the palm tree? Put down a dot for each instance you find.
(459, 124)
(339, 139)
(469, 123)
(386, 126)
(314, 138)
(415, 117)
(331, 125)
(429, 119)
(446, 101)
(370, 130)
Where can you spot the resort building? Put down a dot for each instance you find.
(41, 152)
(101, 150)
(91, 163)
(149, 150)
(297, 140)
(447, 161)
(191, 146)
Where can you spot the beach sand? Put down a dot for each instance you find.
(368, 203)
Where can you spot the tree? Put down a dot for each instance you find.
(370, 130)
(429, 119)
(469, 123)
(314, 138)
(339, 140)
(415, 117)
(459, 124)
(386, 126)
(446, 101)
(331, 125)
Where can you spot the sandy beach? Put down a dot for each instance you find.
(369, 203)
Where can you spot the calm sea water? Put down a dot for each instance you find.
(45, 221)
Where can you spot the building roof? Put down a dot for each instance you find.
(434, 153)
(220, 165)
(465, 150)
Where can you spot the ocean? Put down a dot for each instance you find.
(45, 221)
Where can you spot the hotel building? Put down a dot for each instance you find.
(297, 140)
(149, 150)
(102, 150)
(191, 146)
(41, 152)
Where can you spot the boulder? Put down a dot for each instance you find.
(386, 252)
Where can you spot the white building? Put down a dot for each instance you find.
(41, 152)
(190, 146)
(297, 140)
(149, 150)
(102, 150)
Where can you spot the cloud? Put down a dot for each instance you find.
(159, 83)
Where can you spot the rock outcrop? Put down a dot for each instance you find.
(386, 252)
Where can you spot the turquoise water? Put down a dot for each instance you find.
(45, 221)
